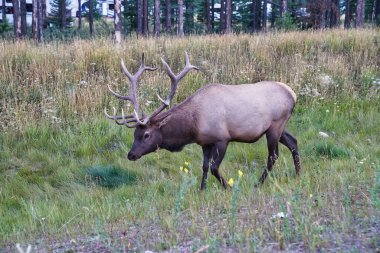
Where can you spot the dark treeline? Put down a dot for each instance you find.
(181, 17)
(226, 16)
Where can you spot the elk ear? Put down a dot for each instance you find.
(163, 121)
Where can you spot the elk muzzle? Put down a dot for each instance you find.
(132, 156)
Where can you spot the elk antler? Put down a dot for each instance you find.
(131, 118)
(173, 87)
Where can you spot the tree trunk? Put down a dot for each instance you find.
(347, 19)
(360, 8)
(4, 16)
(35, 20)
(322, 19)
(213, 15)
(23, 17)
(124, 4)
(139, 17)
(208, 17)
(222, 25)
(91, 16)
(265, 15)
(373, 16)
(43, 12)
(228, 17)
(334, 14)
(145, 18)
(377, 12)
(284, 7)
(62, 13)
(168, 18)
(117, 21)
(156, 31)
(40, 21)
(189, 16)
(273, 16)
(79, 15)
(180, 18)
(16, 20)
(255, 15)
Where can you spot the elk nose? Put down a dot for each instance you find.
(132, 157)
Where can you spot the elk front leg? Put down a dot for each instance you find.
(212, 157)
(218, 152)
(206, 164)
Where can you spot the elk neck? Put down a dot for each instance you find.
(178, 128)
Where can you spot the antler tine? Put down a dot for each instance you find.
(187, 68)
(176, 78)
(114, 117)
(126, 120)
(125, 70)
(169, 71)
(143, 68)
(174, 83)
(118, 95)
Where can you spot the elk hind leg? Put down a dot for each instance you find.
(291, 143)
(272, 142)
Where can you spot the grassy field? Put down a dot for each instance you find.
(66, 185)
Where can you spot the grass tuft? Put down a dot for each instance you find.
(330, 150)
(111, 176)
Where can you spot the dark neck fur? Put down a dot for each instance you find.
(178, 130)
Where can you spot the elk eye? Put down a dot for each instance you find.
(146, 136)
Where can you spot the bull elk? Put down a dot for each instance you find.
(211, 117)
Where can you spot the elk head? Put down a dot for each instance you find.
(147, 136)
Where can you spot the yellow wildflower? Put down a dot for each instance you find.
(181, 168)
(186, 170)
(187, 163)
(231, 182)
(240, 173)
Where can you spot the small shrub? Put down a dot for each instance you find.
(286, 23)
(5, 26)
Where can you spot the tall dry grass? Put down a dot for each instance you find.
(65, 82)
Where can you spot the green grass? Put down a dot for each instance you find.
(66, 184)
(75, 182)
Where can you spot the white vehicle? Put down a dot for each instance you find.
(9, 11)
(105, 7)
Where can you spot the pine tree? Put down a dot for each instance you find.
(347, 19)
(79, 15)
(3, 10)
(180, 18)
(156, 31)
(91, 16)
(168, 17)
(16, 20)
(117, 21)
(208, 17)
(360, 8)
(228, 17)
(139, 17)
(40, 21)
(58, 15)
(35, 20)
(23, 17)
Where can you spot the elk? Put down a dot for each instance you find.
(212, 117)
